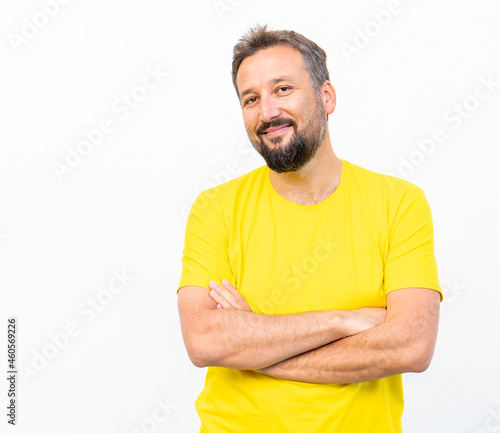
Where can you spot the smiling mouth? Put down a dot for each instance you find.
(276, 130)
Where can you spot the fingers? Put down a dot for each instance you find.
(237, 295)
(227, 296)
(243, 304)
(222, 296)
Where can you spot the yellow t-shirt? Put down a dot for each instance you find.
(373, 235)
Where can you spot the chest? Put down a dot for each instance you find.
(285, 263)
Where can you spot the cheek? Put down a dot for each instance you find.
(250, 122)
(300, 110)
(311, 108)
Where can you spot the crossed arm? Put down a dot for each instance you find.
(331, 346)
(403, 343)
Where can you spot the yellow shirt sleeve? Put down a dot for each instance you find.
(205, 255)
(410, 259)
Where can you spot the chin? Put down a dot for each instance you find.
(276, 141)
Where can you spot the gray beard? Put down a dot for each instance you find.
(294, 155)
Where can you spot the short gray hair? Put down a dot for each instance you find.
(259, 38)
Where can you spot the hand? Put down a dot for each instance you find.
(226, 296)
(366, 318)
(361, 319)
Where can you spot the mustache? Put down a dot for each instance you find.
(274, 123)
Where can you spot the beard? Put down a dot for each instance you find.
(301, 148)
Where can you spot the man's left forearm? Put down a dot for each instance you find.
(404, 343)
(358, 358)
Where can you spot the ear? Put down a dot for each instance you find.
(329, 97)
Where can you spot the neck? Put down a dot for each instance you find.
(314, 182)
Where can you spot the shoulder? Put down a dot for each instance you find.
(385, 195)
(225, 195)
(233, 188)
(389, 186)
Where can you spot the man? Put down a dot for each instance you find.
(309, 284)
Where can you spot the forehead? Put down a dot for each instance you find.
(265, 66)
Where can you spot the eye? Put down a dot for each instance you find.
(250, 101)
(284, 89)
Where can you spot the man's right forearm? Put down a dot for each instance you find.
(246, 340)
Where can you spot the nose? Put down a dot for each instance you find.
(269, 109)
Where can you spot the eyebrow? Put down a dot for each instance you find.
(273, 82)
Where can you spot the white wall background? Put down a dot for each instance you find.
(121, 208)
